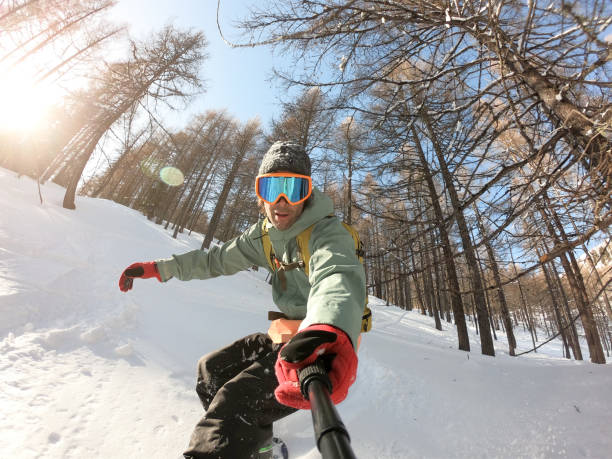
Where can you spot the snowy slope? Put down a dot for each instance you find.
(89, 371)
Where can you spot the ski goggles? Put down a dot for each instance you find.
(295, 188)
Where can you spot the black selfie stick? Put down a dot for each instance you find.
(332, 438)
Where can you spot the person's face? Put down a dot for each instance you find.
(282, 214)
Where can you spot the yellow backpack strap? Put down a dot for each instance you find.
(358, 244)
(267, 244)
(303, 240)
(366, 319)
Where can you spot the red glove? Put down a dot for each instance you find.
(327, 342)
(143, 270)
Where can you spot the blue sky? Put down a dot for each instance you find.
(236, 79)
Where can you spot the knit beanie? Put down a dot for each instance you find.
(285, 156)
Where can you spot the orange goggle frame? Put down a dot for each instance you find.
(295, 188)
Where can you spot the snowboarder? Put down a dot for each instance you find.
(248, 385)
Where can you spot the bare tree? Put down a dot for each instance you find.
(306, 120)
(158, 71)
(53, 37)
(244, 143)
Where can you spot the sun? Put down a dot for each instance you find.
(23, 102)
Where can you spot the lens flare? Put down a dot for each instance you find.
(171, 176)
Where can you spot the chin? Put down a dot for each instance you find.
(283, 225)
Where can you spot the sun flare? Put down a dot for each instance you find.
(23, 103)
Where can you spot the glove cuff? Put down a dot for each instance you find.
(342, 371)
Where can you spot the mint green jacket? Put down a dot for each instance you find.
(333, 293)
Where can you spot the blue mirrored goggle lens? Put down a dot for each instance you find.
(270, 188)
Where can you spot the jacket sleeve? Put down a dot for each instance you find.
(235, 255)
(337, 280)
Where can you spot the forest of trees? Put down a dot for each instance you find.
(469, 142)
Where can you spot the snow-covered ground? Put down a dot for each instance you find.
(89, 371)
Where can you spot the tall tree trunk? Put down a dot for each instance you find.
(574, 340)
(560, 325)
(435, 270)
(485, 290)
(486, 340)
(498, 282)
(349, 185)
(244, 145)
(449, 259)
(216, 217)
(81, 162)
(417, 285)
(584, 308)
(202, 177)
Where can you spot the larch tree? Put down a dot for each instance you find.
(243, 143)
(162, 69)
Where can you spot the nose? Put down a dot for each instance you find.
(282, 200)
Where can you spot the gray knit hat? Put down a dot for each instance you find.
(285, 156)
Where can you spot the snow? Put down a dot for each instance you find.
(89, 371)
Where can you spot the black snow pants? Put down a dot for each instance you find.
(236, 386)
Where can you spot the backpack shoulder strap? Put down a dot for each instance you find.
(267, 244)
(358, 244)
(303, 240)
